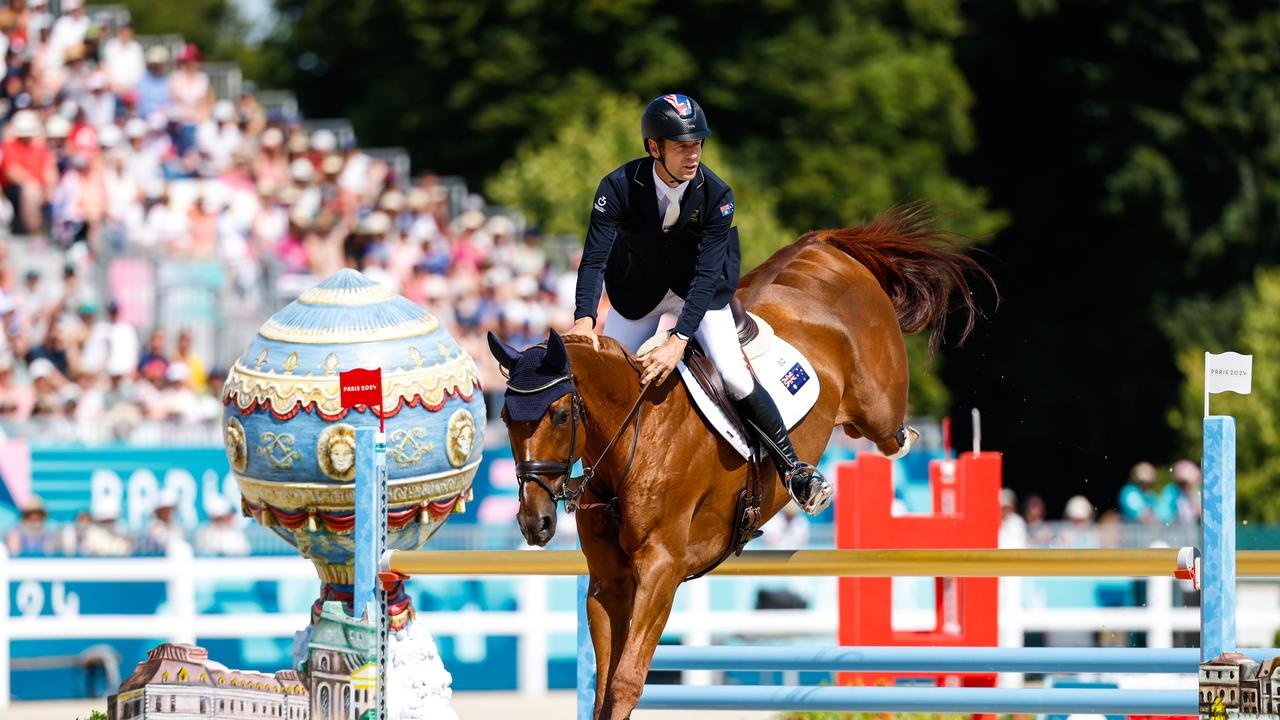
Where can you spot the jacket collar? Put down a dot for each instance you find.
(692, 200)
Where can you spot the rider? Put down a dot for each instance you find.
(662, 240)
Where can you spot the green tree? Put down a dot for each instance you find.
(843, 109)
(213, 25)
(1135, 146)
(1258, 414)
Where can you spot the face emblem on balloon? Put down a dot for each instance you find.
(336, 452)
(462, 437)
(237, 448)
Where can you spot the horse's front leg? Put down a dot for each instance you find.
(658, 574)
(608, 615)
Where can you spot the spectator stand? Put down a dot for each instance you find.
(279, 103)
(340, 127)
(226, 79)
(107, 16)
(397, 158)
(172, 43)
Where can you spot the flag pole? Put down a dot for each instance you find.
(1206, 383)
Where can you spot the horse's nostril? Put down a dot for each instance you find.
(546, 522)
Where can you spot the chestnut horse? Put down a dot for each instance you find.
(662, 487)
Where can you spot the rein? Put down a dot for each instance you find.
(571, 493)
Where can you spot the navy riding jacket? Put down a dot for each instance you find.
(638, 263)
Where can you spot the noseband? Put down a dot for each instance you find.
(572, 488)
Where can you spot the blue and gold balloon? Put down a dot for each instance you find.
(291, 444)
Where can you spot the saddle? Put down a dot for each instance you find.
(755, 341)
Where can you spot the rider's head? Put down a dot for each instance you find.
(673, 127)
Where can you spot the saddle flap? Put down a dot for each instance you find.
(708, 377)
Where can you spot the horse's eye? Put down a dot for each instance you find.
(560, 417)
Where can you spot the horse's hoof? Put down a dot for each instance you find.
(909, 437)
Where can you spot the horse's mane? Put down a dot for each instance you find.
(608, 347)
(918, 265)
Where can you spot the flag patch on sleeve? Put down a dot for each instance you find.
(726, 209)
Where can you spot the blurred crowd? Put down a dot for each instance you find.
(99, 532)
(1142, 502)
(112, 149)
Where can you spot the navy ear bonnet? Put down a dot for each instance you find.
(536, 377)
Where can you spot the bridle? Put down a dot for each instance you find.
(532, 471)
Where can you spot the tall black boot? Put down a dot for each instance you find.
(807, 486)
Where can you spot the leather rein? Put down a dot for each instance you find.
(572, 489)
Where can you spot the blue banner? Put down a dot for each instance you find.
(131, 480)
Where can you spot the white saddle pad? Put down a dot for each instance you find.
(782, 370)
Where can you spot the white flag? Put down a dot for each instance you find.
(1228, 372)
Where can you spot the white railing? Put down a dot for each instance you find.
(694, 619)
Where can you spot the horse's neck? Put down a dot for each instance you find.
(609, 387)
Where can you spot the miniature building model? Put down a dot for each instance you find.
(339, 649)
(181, 680)
(1234, 679)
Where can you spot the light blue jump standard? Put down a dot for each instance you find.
(1218, 554)
(371, 516)
(586, 655)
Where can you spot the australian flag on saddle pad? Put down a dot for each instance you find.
(795, 379)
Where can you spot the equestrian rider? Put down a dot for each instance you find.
(662, 240)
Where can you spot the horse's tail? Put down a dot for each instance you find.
(918, 266)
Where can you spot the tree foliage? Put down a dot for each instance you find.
(1135, 146)
(841, 108)
(824, 114)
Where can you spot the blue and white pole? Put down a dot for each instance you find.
(1218, 589)
(370, 600)
(586, 655)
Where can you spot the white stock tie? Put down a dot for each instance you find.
(673, 209)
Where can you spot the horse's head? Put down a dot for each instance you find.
(544, 416)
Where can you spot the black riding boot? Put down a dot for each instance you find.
(810, 490)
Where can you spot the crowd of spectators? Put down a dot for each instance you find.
(112, 149)
(98, 532)
(1139, 505)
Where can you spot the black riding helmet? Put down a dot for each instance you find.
(673, 117)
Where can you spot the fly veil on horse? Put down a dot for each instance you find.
(659, 495)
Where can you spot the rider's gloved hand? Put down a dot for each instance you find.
(659, 362)
(586, 327)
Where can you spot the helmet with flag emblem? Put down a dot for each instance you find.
(673, 117)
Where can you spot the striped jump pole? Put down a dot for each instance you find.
(916, 699)
(739, 658)
(1152, 562)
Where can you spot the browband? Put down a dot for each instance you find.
(540, 388)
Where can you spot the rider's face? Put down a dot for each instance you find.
(681, 158)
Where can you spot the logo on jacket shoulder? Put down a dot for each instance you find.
(681, 104)
(726, 209)
(600, 203)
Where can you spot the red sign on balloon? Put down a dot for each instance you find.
(361, 387)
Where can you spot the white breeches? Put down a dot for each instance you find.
(717, 334)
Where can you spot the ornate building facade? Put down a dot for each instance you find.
(181, 681)
(340, 647)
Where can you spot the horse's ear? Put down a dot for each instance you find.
(557, 357)
(503, 353)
